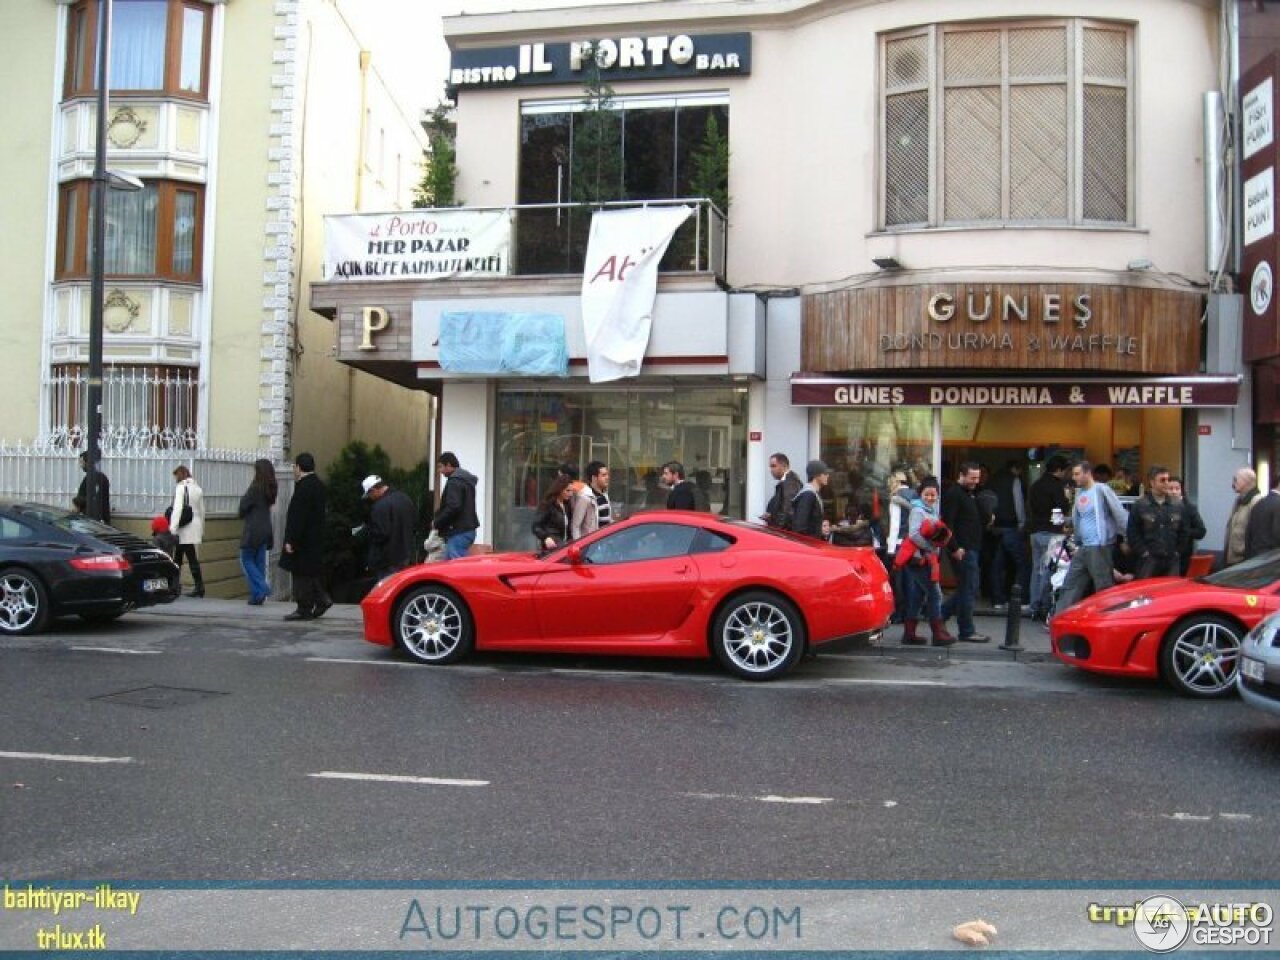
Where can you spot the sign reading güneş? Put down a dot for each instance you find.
(618, 58)
(1202, 391)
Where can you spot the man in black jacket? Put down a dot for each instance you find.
(391, 521)
(1262, 534)
(682, 495)
(1049, 508)
(456, 520)
(777, 513)
(1156, 528)
(808, 510)
(961, 514)
(303, 554)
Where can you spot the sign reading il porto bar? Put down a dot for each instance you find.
(1108, 328)
(1138, 392)
(659, 56)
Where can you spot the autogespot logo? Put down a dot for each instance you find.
(1161, 924)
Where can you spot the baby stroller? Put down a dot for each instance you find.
(1057, 561)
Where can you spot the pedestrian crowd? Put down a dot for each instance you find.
(995, 532)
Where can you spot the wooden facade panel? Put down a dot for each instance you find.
(1025, 327)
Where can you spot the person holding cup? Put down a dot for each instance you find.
(1048, 504)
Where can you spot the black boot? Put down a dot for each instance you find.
(197, 576)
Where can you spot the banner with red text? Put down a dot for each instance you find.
(417, 245)
(619, 283)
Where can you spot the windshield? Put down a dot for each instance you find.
(63, 519)
(1261, 571)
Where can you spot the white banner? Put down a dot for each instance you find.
(619, 282)
(417, 245)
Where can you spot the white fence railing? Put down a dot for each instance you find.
(141, 478)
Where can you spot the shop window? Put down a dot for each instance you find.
(153, 232)
(633, 431)
(1007, 123)
(157, 46)
(636, 148)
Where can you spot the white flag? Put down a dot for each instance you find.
(619, 283)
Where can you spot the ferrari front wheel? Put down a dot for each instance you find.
(433, 625)
(1200, 655)
(758, 636)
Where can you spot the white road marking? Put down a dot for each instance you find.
(1184, 816)
(887, 683)
(115, 650)
(768, 798)
(1236, 816)
(62, 757)
(394, 778)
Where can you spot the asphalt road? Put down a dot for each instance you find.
(258, 750)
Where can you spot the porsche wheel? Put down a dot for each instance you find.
(758, 636)
(1200, 655)
(24, 603)
(433, 625)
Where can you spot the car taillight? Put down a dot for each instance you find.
(101, 561)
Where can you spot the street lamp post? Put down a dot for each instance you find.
(97, 283)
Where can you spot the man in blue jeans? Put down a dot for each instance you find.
(960, 512)
(456, 520)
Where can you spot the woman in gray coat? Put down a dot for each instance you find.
(256, 539)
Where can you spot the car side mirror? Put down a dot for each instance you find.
(574, 553)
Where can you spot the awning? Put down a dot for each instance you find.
(815, 390)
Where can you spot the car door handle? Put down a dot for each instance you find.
(684, 568)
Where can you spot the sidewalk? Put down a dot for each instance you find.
(1033, 637)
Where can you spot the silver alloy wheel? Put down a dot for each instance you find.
(19, 602)
(430, 626)
(758, 636)
(1203, 658)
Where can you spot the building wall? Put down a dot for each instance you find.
(335, 404)
(29, 76)
(812, 97)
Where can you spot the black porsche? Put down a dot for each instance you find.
(54, 563)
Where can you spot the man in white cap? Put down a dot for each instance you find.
(391, 521)
(807, 512)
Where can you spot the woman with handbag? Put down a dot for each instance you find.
(256, 540)
(186, 519)
(551, 525)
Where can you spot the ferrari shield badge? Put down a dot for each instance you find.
(1251, 599)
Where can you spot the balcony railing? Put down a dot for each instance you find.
(551, 238)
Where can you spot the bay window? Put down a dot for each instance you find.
(157, 46)
(153, 232)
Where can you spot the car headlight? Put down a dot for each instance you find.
(1133, 604)
(1264, 634)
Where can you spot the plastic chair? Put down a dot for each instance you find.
(1201, 565)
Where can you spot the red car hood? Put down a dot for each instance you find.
(1155, 590)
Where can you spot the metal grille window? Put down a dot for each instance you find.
(1007, 123)
(142, 405)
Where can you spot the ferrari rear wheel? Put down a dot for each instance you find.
(1200, 655)
(758, 636)
(433, 625)
(24, 603)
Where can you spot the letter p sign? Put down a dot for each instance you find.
(375, 320)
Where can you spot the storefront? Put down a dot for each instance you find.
(1103, 372)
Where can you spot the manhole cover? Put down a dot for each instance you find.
(159, 698)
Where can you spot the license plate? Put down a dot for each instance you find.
(1252, 669)
(155, 586)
